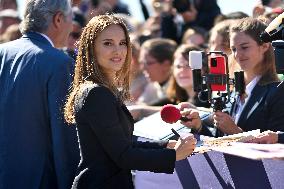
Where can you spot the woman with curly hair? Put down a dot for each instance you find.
(105, 126)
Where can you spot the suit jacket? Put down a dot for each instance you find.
(264, 110)
(108, 153)
(281, 138)
(37, 150)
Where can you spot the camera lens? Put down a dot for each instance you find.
(214, 62)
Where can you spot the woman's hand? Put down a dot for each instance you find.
(195, 121)
(267, 137)
(226, 123)
(187, 111)
(185, 146)
(171, 144)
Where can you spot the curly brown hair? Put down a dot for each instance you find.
(87, 70)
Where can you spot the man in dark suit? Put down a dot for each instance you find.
(37, 149)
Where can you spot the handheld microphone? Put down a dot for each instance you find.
(171, 114)
(195, 62)
(273, 30)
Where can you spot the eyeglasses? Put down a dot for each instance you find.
(75, 35)
(182, 66)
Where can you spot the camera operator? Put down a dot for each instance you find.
(260, 107)
(199, 13)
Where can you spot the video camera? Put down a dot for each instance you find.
(279, 55)
(211, 73)
(274, 33)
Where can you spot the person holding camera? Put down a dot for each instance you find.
(195, 13)
(261, 104)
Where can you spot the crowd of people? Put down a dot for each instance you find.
(76, 76)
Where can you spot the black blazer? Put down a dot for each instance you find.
(281, 138)
(264, 110)
(108, 153)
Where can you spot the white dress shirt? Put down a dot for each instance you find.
(46, 37)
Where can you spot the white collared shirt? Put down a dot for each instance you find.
(240, 106)
(46, 37)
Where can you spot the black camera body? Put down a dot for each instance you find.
(274, 33)
(279, 55)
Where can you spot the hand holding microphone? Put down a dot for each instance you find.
(195, 123)
(171, 114)
(188, 117)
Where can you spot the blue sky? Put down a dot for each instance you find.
(226, 6)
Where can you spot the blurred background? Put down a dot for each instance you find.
(227, 6)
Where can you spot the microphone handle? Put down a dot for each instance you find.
(185, 119)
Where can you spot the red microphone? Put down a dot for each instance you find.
(171, 114)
